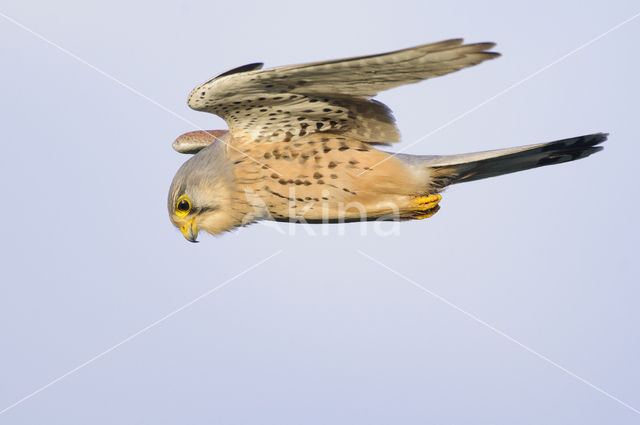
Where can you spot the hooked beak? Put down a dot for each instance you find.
(190, 231)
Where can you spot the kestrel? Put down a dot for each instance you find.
(302, 145)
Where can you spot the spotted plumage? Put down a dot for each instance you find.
(301, 145)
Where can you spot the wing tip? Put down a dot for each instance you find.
(194, 141)
(244, 68)
(480, 48)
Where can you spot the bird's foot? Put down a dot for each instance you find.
(425, 206)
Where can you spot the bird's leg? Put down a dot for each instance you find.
(425, 206)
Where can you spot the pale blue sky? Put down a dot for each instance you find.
(319, 333)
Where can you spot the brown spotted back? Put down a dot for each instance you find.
(319, 173)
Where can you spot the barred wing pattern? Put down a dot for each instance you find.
(334, 97)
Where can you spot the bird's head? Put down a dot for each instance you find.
(200, 194)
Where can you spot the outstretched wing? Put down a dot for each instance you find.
(283, 104)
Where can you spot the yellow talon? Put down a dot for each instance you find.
(425, 206)
(425, 203)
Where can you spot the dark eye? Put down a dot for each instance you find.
(184, 206)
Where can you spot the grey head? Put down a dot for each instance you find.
(199, 196)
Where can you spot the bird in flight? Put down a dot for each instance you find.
(302, 145)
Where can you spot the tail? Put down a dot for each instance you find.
(451, 169)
